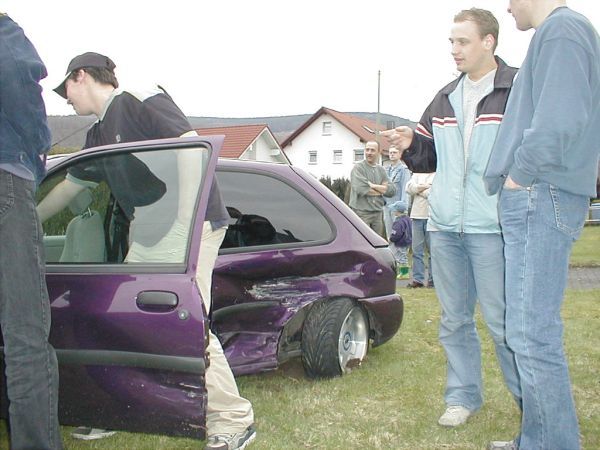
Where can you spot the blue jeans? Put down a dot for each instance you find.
(539, 226)
(400, 254)
(420, 240)
(31, 366)
(467, 268)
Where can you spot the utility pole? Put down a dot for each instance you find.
(377, 115)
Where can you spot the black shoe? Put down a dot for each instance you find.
(431, 285)
(414, 284)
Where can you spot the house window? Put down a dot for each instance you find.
(312, 157)
(337, 156)
(326, 128)
(359, 155)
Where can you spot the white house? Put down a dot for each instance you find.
(329, 143)
(254, 142)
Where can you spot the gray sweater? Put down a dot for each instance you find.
(363, 173)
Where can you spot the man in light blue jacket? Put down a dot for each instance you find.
(454, 138)
(545, 164)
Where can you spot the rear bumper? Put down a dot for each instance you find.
(385, 316)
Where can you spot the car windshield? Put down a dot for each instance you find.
(122, 207)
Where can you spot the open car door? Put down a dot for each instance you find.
(128, 322)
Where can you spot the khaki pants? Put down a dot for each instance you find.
(374, 219)
(227, 412)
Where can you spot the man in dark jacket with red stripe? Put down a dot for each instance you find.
(454, 138)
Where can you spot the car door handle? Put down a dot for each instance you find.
(157, 301)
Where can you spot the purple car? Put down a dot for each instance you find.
(298, 275)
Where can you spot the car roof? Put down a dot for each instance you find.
(53, 160)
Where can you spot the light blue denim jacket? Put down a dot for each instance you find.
(24, 132)
(399, 175)
(458, 200)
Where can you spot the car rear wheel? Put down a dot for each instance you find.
(335, 338)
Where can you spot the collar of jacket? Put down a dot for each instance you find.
(503, 79)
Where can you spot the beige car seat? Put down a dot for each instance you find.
(84, 238)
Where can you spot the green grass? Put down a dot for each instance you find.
(586, 251)
(393, 400)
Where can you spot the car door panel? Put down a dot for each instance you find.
(131, 336)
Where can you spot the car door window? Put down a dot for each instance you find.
(129, 207)
(267, 211)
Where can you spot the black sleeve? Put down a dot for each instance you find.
(87, 171)
(421, 156)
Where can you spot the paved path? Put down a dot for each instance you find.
(579, 278)
(584, 278)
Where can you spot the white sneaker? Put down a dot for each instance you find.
(454, 416)
(90, 434)
(503, 445)
(237, 441)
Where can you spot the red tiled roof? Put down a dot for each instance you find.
(354, 123)
(237, 138)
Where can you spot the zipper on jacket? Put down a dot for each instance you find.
(464, 181)
(466, 159)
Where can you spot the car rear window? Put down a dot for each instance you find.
(266, 210)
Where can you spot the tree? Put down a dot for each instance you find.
(339, 186)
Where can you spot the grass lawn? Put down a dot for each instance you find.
(394, 400)
(586, 251)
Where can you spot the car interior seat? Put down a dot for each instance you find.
(84, 238)
(256, 230)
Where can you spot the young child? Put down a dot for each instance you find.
(400, 238)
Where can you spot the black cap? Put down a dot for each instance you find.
(89, 59)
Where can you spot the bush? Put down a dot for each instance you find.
(339, 186)
(56, 150)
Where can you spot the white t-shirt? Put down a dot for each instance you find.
(473, 93)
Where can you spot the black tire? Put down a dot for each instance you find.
(335, 338)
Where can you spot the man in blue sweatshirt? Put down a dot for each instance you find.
(31, 365)
(544, 163)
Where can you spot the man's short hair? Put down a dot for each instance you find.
(99, 74)
(485, 21)
(372, 143)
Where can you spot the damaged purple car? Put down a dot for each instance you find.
(298, 275)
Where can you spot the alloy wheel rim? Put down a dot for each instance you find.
(353, 340)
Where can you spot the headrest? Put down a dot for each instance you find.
(81, 202)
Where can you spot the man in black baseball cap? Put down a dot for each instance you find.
(91, 88)
(89, 59)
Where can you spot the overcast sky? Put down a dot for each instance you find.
(255, 58)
